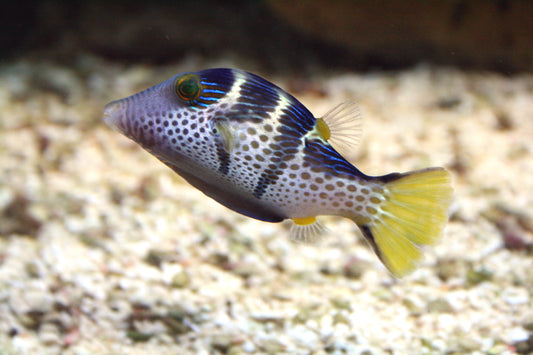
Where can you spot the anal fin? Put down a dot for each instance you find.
(306, 230)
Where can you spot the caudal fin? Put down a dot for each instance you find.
(413, 213)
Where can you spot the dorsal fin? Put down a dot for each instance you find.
(344, 122)
(306, 230)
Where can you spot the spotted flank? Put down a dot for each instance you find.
(254, 148)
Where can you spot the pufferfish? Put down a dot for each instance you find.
(254, 148)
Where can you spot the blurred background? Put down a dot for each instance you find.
(278, 34)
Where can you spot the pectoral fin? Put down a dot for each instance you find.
(227, 135)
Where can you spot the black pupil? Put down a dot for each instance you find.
(189, 88)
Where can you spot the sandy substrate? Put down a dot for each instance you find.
(104, 250)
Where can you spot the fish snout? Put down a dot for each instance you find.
(114, 115)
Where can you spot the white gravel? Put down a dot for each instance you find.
(104, 250)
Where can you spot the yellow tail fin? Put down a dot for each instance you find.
(413, 213)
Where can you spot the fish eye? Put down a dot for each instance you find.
(188, 87)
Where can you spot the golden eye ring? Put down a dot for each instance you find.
(188, 87)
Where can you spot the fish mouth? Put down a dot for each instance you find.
(114, 115)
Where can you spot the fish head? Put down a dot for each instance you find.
(176, 119)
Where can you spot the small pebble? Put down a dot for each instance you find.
(49, 334)
(180, 280)
(248, 347)
(475, 276)
(516, 296)
(440, 305)
(272, 346)
(517, 334)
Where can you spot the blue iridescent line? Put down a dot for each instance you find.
(214, 99)
(214, 91)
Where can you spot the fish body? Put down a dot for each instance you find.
(257, 150)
